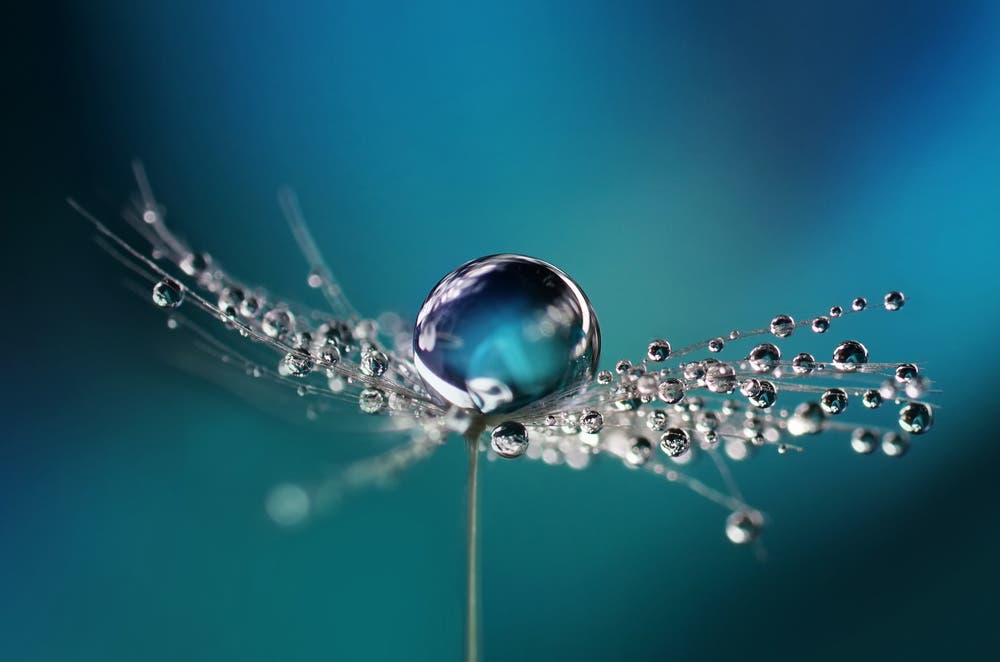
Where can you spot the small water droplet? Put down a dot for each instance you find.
(716, 345)
(277, 323)
(871, 399)
(744, 526)
(374, 362)
(764, 357)
(671, 391)
(782, 326)
(863, 441)
(296, 365)
(639, 453)
(849, 355)
(803, 364)
(168, 293)
(833, 401)
(591, 421)
(604, 377)
(765, 398)
(894, 300)
(675, 442)
(820, 324)
(658, 351)
(371, 400)
(894, 444)
(509, 439)
(916, 418)
(859, 304)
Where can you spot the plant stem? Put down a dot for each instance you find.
(472, 553)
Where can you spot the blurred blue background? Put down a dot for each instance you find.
(696, 167)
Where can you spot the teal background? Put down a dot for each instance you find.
(696, 167)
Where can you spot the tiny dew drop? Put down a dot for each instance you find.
(863, 441)
(296, 365)
(591, 422)
(849, 355)
(871, 399)
(168, 293)
(859, 304)
(894, 444)
(509, 439)
(716, 345)
(894, 300)
(820, 324)
(743, 526)
(374, 363)
(639, 452)
(675, 442)
(833, 401)
(658, 350)
(764, 357)
(671, 391)
(782, 326)
(916, 418)
(371, 400)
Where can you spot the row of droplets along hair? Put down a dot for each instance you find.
(510, 345)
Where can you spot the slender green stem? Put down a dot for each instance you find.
(472, 553)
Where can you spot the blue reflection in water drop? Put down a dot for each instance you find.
(504, 331)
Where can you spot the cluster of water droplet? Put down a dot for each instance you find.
(658, 414)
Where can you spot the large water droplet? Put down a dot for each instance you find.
(833, 401)
(504, 331)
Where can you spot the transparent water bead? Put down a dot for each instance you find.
(503, 332)
(509, 439)
(916, 418)
(743, 526)
(168, 293)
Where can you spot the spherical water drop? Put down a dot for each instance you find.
(916, 418)
(871, 399)
(675, 442)
(836, 311)
(744, 526)
(895, 444)
(509, 439)
(820, 324)
(168, 293)
(803, 364)
(639, 453)
(604, 377)
(658, 351)
(721, 378)
(657, 420)
(277, 323)
(765, 397)
(894, 300)
(863, 441)
(374, 362)
(859, 304)
(905, 372)
(764, 357)
(782, 326)
(807, 418)
(623, 366)
(591, 422)
(716, 345)
(296, 365)
(833, 401)
(849, 355)
(371, 400)
(671, 391)
(504, 331)
(750, 387)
